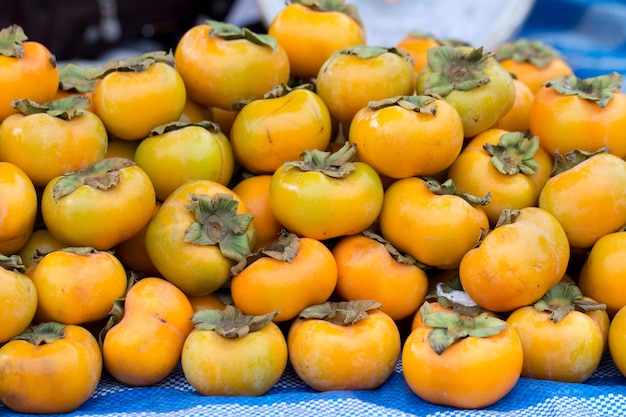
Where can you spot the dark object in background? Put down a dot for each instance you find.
(84, 29)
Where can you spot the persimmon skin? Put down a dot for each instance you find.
(34, 76)
(40, 239)
(224, 118)
(472, 373)
(315, 205)
(401, 143)
(602, 273)
(195, 112)
(567, 351)
(437, 230)
(195, 269)
(517, 119)
(100, 218)
(145, 346)
(347, 83)
(244, 366)
(120, 148)
(567, 122)
(64, 278)
(33, 375)
(133, 254)
(131, 104)
(191, 153)
(417, 46)
(327, 356)
(18, 303)
(220, 73)
(310, 36)
(367, 271)
(46, 146)
(534, 76)
(516, 263)
(206, 302)
(581, 197)
(269, 284)
(473, 173)
(617, 340)
(254, 193)
(269, 132)
(19, 203)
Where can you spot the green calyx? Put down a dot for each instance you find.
(231, 322)
(535, 52)
(65, 108)
(74, 77)
(418, 34)
(42, 333)
(331, 6)
(368, 51)
(102, 175)
(449, 327)
(403, 258)
(451, 294)
(280, 90)
(514, 154)
(177, 125)
(564, 298)
(218, 223)
(341, 313)
(453, 69)
(419, 104)
(230, 32)
(507, 216)
(116, 314)
(336, 165)
(285, 249)
(39, 254)
(284, 89)
(449, 188)
(12, 263)
(134, 64)
(11, 40)
(571, 159)
(598, 89)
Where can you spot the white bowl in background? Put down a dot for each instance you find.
(486, 23)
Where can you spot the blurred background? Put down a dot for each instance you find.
(590, 34)
(96, 29)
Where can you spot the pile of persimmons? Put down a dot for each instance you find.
(300, 196)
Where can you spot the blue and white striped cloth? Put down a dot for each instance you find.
(604, 394)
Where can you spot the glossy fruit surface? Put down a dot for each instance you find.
(232, 354)
(144, 340)
(311, 32)
(221, 65)
(133, 102)
(42, 359)
(472, 372)
(27, 70)
(18, 208)
(344, 352)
